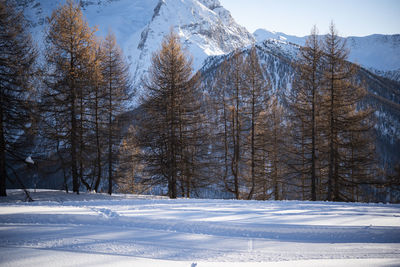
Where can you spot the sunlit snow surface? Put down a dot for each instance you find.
(60, 229)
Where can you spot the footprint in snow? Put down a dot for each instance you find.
(107, 213)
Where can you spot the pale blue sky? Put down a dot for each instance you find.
(296, 17)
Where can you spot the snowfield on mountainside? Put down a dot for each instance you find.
(204, 26)
(130, 230)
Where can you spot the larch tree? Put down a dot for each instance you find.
(167, 131)
(221, 130)
(255, 95)
(305, 105)
(97, 115)
(117, 92)
(229, 105)
(17, 62)
(236, 84)
(350, 147)
(69, 42)
(240, 94)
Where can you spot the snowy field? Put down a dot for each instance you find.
(60, 229)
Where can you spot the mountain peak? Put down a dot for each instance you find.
(204, 26)
(211, 4)
(377, 52)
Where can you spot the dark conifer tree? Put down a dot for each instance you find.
(17, 61)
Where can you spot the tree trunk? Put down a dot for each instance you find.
(313, 133)
(253, 164)
(336, 196)
(173, 165)
(226, 147)
(96, 187)
(237, 145)
(75, 181)
(110, 140)
(331, 137)
(275, 160)
(81, 146)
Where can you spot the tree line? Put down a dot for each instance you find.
(239, 136)
(235, 137)
(87, 83)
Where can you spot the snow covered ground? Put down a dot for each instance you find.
(60, 229)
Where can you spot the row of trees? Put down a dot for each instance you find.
(317, 140)
(246, 138)
(236, 136)
(87, 84)
(332, 128)
(84, 84)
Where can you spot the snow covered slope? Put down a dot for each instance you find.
(262, 35)
(205, 27)
(379, 52)
(127, 230)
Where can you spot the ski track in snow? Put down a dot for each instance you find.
(162, 232)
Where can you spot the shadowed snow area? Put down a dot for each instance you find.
(129, 230)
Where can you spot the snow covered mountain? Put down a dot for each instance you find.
(205, 27)
(375, 52)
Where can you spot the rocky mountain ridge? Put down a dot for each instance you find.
(378, 53)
